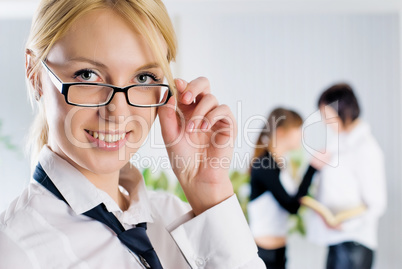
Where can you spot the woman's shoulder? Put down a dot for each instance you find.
(19, 223)
(29, 206)
(19, 205)
(368, 147)
(13, 256)
(363, 140)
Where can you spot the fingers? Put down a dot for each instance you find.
(190, 91)
(169, 121)
(204, 106)
(187, 93)
(221, 114)
(205, 111)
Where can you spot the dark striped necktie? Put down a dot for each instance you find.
(135, 239)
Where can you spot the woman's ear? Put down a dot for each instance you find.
(31, 75)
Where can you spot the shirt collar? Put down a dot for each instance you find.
(82, 195)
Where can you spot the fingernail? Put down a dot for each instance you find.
(179, 82)
(187, 97)
(190, 126)
(204, 126)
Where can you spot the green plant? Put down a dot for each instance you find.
(160, 181)
(298, 223)
(241, 186)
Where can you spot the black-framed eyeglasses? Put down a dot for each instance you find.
(88, 94)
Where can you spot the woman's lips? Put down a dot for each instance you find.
(107, 141)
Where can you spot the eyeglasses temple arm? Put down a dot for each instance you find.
(53, 77)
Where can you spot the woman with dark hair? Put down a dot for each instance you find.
(342, 99)
(273, 193)
(357, 180)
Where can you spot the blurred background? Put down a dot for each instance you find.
(257, 55)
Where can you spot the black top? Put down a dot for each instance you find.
(265, 177)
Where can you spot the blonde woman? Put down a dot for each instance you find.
(97, 71)
(274, 196)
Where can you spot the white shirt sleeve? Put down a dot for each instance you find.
(217, 238)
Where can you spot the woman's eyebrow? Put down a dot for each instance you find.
(149, 66)
(99, 64)
(83, 59)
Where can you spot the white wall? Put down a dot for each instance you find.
(259, 55)
(15, 110)
(261, 61)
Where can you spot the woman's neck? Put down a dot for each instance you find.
(108, 183)
(348, 128)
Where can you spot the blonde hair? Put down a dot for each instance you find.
(54, 18)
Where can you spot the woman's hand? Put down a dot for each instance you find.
(333, 225)
(199, 139)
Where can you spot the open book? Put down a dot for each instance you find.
(327, 215)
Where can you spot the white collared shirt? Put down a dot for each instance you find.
(358, 179)
(40, 231)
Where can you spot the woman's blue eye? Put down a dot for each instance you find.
(142, 78)
(86, 75)
(146, 78)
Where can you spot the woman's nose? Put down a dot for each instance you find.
(118, 110)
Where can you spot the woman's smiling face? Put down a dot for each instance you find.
(99, 47)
